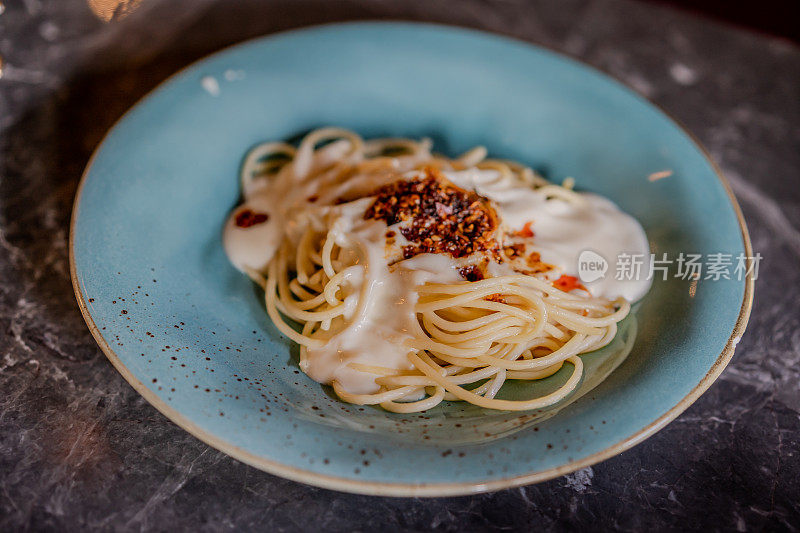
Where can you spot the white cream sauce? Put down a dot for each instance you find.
(381, 322)
(378, 330)
(563, 229)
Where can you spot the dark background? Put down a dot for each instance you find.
(775, 17)
(80, 449)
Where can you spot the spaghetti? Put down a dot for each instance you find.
(417, 279)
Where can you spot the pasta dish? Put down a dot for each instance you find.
(408, 278)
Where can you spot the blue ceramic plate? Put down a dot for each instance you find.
(190, 333)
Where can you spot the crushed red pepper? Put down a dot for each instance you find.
(514, 250)
(526, 231)
(471, 273)
(247, 218)
(439, 217)
(568, 283)
(534, 261)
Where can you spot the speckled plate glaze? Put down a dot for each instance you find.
(190, 333)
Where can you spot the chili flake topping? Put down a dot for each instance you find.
(471, 273)
(438, 216)
(568, 283)
(246, 218)
(526, 232)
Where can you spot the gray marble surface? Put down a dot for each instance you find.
(80, 449)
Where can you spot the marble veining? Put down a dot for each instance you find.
(79, 448)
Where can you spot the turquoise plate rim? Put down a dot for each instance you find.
(425, 489)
